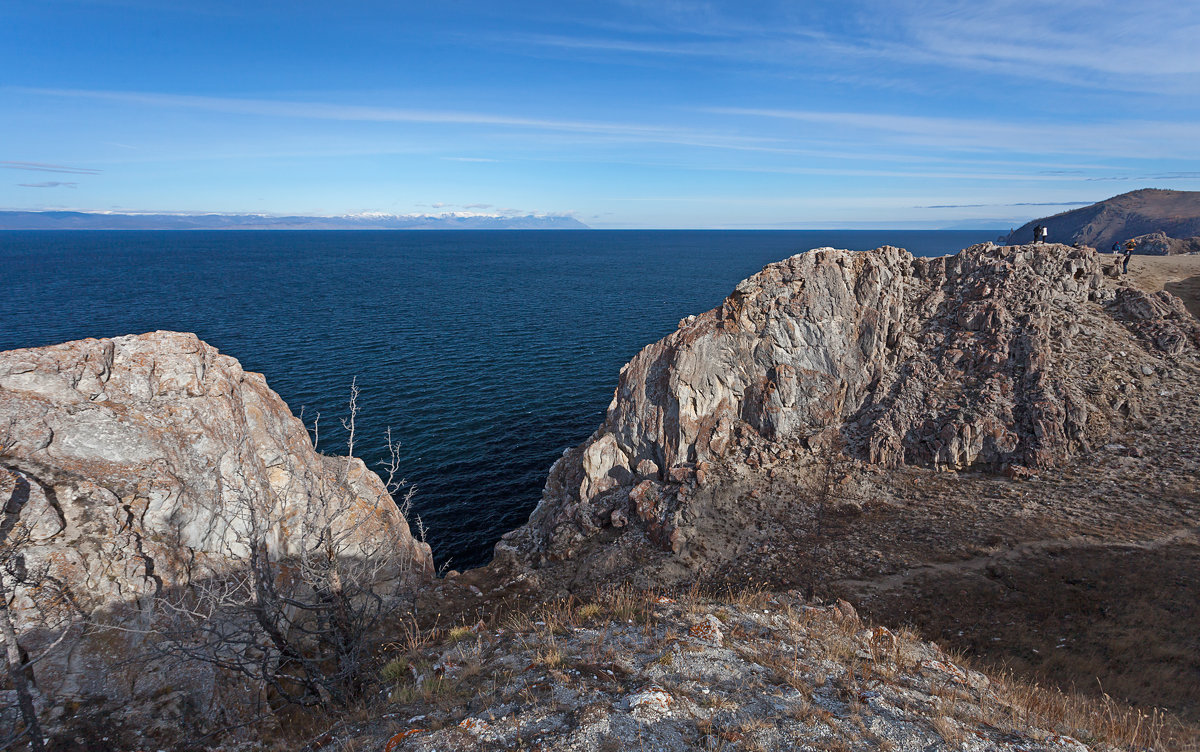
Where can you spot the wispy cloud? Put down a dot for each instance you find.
(50, 184)
(671, 134)
(44, 167)
(1153, 38)
(1051, 203)
(1126, 138)
(360, 113)
(1023, 203)
(951, 206)
(1148, 176)
(1097, 44)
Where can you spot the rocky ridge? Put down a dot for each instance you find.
(961, 362)
(748, 671)
(129, 468)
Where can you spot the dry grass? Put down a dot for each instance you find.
(627, 604)
(868, 655)
(946, 728)
(550, 657)
(425, 692)
(589, 611)
(1021, 704)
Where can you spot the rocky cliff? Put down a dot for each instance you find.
(129, 468)
(1117, 219)
(991, 359)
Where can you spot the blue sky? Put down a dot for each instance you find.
(623, 114)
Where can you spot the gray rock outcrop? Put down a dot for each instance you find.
(1160, 244)
(953, 362)
(129, 466)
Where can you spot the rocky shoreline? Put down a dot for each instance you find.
(1029, 445)
(999, 448)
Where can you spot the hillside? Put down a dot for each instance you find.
(1010, 430)
(1117, 219)
(75, 220)
(749, 670)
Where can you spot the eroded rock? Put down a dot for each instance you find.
(952, 363)
(137, 460)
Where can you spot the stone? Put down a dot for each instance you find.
(846, 610)
(618, 518)
(708, 630)
(651, 704)
(137, 461)
(681, 474)
(647, 469)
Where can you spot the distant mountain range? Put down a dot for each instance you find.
(1120, 218)
(76, 220)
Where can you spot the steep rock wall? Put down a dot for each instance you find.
(129, 465)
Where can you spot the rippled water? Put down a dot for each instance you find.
(488, 353)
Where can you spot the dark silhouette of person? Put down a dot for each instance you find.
(1128, 252)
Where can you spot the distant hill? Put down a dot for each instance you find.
(1129, 215)
(74, 220)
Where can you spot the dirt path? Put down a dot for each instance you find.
(1028, 549)
(1179, 275)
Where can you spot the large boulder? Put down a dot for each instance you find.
(129, 467)
(1159, 244)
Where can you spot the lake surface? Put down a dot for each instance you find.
(487, 352)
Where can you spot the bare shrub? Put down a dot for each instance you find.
(309, 575)
(32, 588)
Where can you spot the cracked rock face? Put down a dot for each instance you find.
(954, 362)
(123, 461)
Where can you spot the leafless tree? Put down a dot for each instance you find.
(311, 571)
(38, 590)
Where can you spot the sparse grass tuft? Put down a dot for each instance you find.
(589, 611)
(395, 671)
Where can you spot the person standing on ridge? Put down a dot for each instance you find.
(1129, 246)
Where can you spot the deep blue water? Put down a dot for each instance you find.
(487, 352)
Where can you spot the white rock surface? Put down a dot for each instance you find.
(128, 462)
